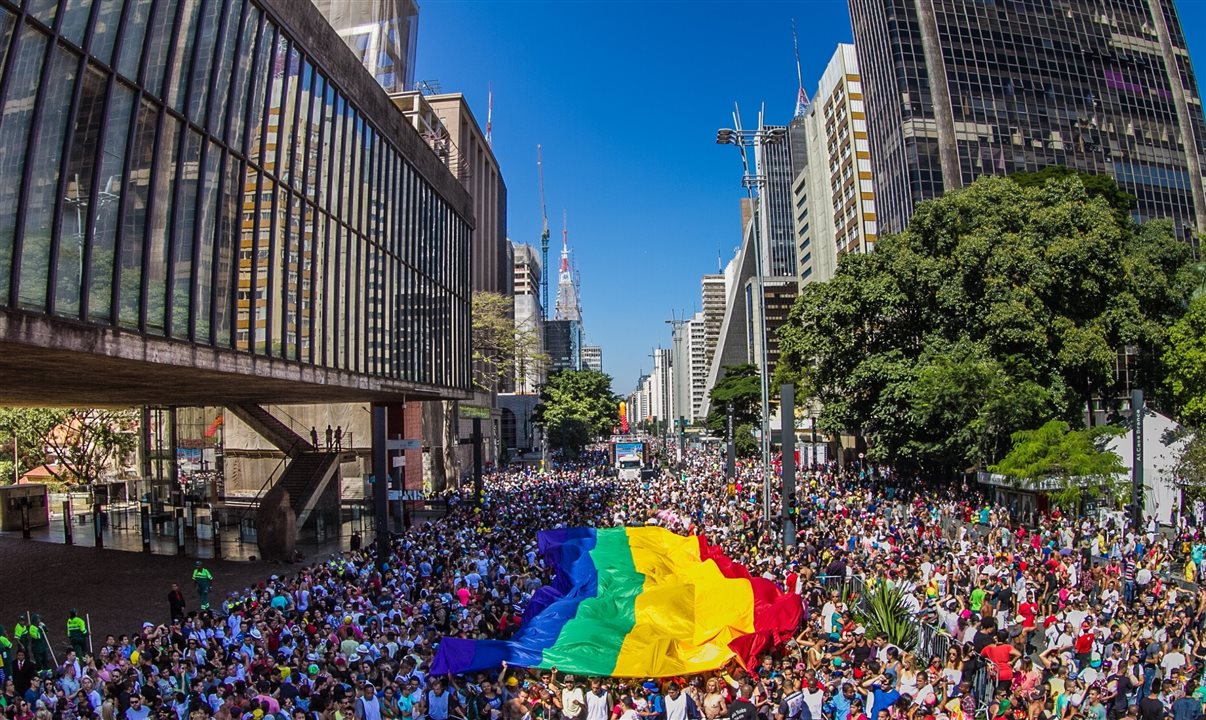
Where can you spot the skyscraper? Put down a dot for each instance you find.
(592, 358)
(773, 164)
(834, 198)
(958, 89)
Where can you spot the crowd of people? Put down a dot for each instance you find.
(1067, 619)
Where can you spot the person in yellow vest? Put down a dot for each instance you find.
(202, 578)
(21, 635)
(6, 654)
(77, 633)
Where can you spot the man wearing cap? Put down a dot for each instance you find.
(77, 632)
(573, 698)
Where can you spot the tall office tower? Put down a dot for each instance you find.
(592, 358)
(699, 357)
(383, 35)
(773, 164)
(958, 89)
(834, 198)
(525, 284)
(713, 296)
(662, 388)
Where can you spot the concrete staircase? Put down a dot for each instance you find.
(271, 429)
(306, 479)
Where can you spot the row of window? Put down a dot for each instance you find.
(178, 167)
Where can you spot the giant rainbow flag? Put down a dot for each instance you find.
(635, 602)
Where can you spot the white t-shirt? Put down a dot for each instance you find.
(598, 707)
(676, 708)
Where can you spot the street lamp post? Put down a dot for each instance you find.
(752, 182)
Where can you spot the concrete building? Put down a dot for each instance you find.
(956, 90)
(448, 125)
(698, 356)
(563, 345)
(661, 388)
(833, 192)
(592, 358)
(531, 365)
(713, 296)
(213, 203)
(382, 34)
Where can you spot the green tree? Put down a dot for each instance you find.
(27, 428)
(1190, 469)
(501, 349)
(1076, 459)
(1102, 186)
(577, 406)
(1186, 360)
(91, 444)
(741, 386)
(999, 307)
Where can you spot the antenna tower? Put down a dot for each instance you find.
(490, 115)
(802, 101)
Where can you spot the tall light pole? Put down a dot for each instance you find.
(753, 184)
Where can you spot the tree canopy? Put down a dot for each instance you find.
(575, 407)
(1074, 458)
(998, 308)
(1186, 361)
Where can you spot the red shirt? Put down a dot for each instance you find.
(1028, 611)
(1084, 644)
(1000, 655)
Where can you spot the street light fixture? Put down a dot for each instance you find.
(759, 139)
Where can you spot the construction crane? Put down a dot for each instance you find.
(544, 242)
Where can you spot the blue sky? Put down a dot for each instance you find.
(626, 98)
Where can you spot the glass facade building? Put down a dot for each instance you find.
(188, 170)
(773, 163)
(956, 89)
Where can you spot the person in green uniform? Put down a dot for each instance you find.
(77, 633)
(21, 635)
(38, 642)
(6, 654)
(202, 578)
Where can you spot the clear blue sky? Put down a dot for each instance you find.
(626, 98)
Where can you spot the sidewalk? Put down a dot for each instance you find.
(129, 539)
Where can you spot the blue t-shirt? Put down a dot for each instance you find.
(882, 699)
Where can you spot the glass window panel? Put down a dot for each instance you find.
(207, 219)
(224, 60)
(226, 251)
(280, 118)
(182, 233)
(243, 74)
(104, 31)
(279, 285)
(75, 20)
(299, 167)
(266, 228)
(77, 208)
(158, 44)
(292, 277)
(261, 86)
(180, 82)
(287, 115)
(27, 61)
(43, 191)
(162, 186)
(134, 222)
(108, 201)
(43, 10)
(130, 53)
(308, 286)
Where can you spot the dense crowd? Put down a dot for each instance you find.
(1071, 618)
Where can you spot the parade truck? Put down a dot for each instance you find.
(628, 458)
